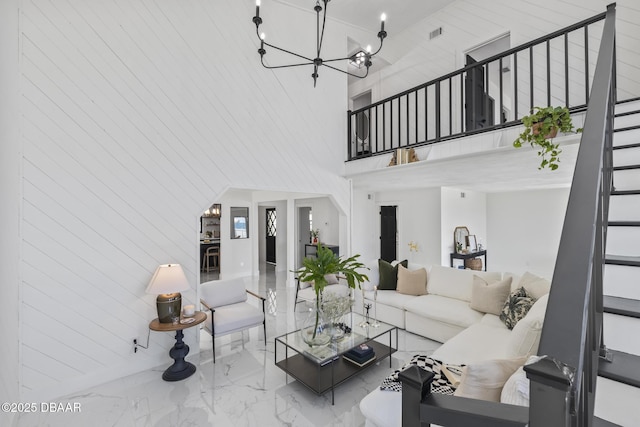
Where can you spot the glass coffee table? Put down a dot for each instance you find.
(323, 368)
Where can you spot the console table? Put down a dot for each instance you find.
(470, 255)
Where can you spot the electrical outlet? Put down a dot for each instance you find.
(135, 345)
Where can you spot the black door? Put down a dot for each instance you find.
(388, 233)
(271, 235)
(478, 104)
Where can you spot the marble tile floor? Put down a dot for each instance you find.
(243, 388)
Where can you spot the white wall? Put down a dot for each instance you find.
(466, 23)
(418, 219)
(523, 230)
(135, 117)
(469, 211)
(10, 164)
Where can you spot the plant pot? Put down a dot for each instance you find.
(535, 129)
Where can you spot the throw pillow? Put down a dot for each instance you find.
(389, 274)
(484, 380)
(535, 286)
(412, 282)
(489, 298)
(440, 384)
(516, 307)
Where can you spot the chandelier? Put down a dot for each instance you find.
(360, 58)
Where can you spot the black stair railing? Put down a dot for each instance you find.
(563, 382)
(490, 94)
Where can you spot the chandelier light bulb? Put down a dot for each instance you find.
(257, 8)
(368, 48)
(383, 18)
(262, 35)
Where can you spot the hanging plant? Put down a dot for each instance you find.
(540, 127)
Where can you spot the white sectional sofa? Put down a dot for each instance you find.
(444, 314)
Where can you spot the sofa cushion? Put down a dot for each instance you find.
(455, 283)
(525, 336)
(516, 390)
(484, 380)
(389, 274)
(390, 298)
(489, 297)
(443, 309)
(516, 307)
(534, 285)
(412, 282)
(476, 343)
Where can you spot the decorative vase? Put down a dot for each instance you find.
(315, 330)
(334, 307)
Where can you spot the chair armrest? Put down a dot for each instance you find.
(206, 305)
(256, 295)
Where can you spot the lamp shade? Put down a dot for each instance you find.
(168, 279)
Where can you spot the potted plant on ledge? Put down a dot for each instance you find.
(540, 127)
(315, 270)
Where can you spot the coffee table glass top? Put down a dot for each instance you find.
(323, 354)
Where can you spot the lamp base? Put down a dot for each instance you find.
(169, 306)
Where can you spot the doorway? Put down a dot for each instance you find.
(271, 231)
(482, 85)
(304, 231)
(388, 233)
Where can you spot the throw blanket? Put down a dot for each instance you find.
(441, 383)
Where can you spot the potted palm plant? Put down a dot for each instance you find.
(315, 270)
(540, 127)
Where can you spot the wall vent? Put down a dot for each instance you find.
(435, 33)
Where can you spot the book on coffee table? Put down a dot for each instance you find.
(357, 362)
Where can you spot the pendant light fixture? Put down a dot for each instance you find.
(361, 57)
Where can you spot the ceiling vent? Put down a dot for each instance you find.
(435, 33)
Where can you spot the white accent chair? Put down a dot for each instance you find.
(229, 310)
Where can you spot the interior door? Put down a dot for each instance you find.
(388, 234)
(271, 235)
(478, 104)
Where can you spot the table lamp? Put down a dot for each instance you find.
(167, 282)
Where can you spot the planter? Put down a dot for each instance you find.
(535, 129)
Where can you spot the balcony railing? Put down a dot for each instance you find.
(563, 382)
(494, 93)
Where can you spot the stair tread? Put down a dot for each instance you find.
(623, 223)
(624, 368)
(627, 113)
(624, 192)
(599, 422)
(625, 146)
(626, 167)
(628, 128)
(622, 306)
(622, 260)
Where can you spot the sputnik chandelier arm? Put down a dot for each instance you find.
(361, 57)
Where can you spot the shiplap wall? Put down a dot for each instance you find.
(10, 203)
(467, 23)
(137, 114)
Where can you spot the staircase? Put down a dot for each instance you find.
(620, 359)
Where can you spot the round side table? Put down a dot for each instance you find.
(180, 369)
